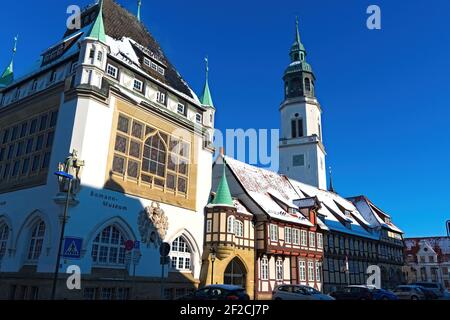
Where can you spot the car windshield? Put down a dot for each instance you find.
(311, 290)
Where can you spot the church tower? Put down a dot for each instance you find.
(302, 153)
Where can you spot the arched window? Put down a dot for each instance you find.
(230, 224)
(181, 255)
(108, 247)
(4, 235)
(36, 241)
(307, 85)
(154, 158)
(238, 228)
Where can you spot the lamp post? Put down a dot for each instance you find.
(213, 258)
(68, 177)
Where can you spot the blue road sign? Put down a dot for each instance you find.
(72, 247)
(137, 245)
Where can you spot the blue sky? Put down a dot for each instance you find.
(385, 94)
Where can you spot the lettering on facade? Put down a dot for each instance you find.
(108, 201)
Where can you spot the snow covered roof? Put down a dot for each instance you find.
(275, 193)
(125, 34)
(440, 245)
(373, 214)
(119, 24)
(270, 191)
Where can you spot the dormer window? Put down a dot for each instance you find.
(147, 62)
(112, 71)
(161, 70)
(138, 85)
(73, 67)
(100, 56)
(198, 118)
(161, 97)
(181, 108)
(52, 76)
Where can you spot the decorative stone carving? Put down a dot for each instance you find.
(153, 225)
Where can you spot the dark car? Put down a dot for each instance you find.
(353, 293)
(437, 288)
(429, 294)
(218, 292)
(382, 294)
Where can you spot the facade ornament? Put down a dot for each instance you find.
(153, 225)
(73, 166)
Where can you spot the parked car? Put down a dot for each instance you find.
(218, 292)
(382, 294)
(437, 288)
(429, 294)
(409, 292)
(353, 293)
(298, 292)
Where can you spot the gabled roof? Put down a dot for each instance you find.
(373, 214)
(268, 190)
(440, 245)
(273, 192)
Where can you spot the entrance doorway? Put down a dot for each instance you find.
(235, 273)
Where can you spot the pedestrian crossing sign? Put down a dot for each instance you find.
(72, 247)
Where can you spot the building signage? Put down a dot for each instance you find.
(72, 247)
(109, 201)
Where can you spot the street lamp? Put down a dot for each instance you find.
(68, 177)
(213, 258)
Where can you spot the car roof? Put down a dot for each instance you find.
(229, 287)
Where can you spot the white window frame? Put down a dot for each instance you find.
(161, 97)
(311, 271)
(181, 108)
(296, 236)
(36, 241)
(199, 118)
(264, 268)
(115, 69)
(273, 232)
(139, 88)
(279, 270)
(238, 228)
(304, 239)
(147, 62)
(302, 270)
(161, 70)
(182, 256)
(105, 244)
(230, 224)
(320, 241)
(312, 239)
(318, 271)
(288, 235)
(4, 236)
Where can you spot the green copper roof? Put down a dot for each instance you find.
(7, 76)
(139, 10)
(297, 46)
(98, 28)
(206, 98)
(223, 195)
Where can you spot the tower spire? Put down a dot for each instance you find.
(331, 188)
(98, 28)
(297, 32)
(206, 98)
(139, 10)
(7, 76)
(223, 194)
